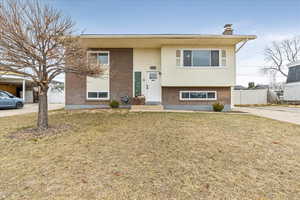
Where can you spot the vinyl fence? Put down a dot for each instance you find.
(56, 97)
(243, 97)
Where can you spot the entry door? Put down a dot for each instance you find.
(153, 87)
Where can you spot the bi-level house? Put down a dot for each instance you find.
(177, 71)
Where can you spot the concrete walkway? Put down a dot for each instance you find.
(28, 108)
(281, 113)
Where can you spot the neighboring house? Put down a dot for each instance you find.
(17, 85)
(292, 87)
(182, 71)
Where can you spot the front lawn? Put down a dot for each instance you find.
(120, 155)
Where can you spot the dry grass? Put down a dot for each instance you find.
(121, 155)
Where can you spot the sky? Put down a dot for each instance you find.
(270, 20)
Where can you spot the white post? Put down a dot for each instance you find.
(232, 97)
(23, 90)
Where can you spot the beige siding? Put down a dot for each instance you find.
(97, 84)
(143, 58)
(173, 75)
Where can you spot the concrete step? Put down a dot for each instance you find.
(146, 107)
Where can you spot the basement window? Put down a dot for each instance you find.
(198, 95)
(98, 95)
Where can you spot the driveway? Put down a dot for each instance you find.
(28, 108)
(281, 113)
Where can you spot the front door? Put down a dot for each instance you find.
(153, 87)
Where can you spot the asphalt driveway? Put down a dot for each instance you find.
(281, 113)
(28, 108)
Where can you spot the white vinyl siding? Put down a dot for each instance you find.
(175, 74)
(197, 95)
(223, 55)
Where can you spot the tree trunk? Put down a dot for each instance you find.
(43, 110)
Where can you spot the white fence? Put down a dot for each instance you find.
(242, 97)
(56, 97)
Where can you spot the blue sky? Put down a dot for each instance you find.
(270, 20)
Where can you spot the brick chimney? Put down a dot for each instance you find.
(228, 29)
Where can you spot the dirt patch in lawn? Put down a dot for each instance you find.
(116, 155)
(35, 133)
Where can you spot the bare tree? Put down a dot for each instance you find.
(279, 54)
(36, 41)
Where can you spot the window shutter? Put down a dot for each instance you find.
(223, 57)
(137, 84)
(178, 58)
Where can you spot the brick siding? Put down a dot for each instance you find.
(170, 95)
(121, 79)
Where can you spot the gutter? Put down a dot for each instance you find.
(164, 36)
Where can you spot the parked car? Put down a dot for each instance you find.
(8, 100)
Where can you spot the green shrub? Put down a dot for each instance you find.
(218, 107)
(114, 104)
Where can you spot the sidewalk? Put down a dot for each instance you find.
(28, 108)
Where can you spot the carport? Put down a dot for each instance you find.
(18, 85)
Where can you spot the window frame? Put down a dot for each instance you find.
(98, 52)
(203, 49)
(198, 99)
(101, 65)
(97, 98)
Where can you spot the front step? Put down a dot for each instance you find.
(147, 107)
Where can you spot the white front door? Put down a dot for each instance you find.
(153, 87)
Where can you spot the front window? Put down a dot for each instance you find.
(198, 95)
(99, 57)
(200, 58)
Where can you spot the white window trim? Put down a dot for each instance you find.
(88, 98)
(197, 99)
(104, 65)
(202, 67)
